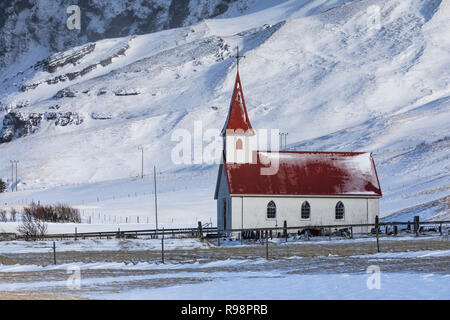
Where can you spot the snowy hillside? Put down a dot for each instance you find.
(37, 28)
(369, 75)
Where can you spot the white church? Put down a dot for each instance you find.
(262, 189)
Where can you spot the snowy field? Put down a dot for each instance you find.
(127, 204)
(369, 75)
(366, 75)
(409, 268)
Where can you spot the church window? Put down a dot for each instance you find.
(306, 210)
(239, 144)
(271, 210)
(339, 211)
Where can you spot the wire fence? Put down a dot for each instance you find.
(262, 235)
(207, 230)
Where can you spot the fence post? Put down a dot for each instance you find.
(162, 246)
(75, 233)
(395, 230)
(200, 230)
(218, 238)
(416, 225)
(267, 245)
(285, 232)
(377, 222)
(351, 232)
(440, 229)
(54, 252)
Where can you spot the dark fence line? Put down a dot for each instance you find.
(354, 225)
(121, 233)
(201, 230)
(260, 233)
(266, 233)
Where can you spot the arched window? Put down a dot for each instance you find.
(239, 144)
(306, 210)
(271, 210)
(340, 210)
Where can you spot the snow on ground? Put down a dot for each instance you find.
(229, 273)
(145, 243)
(131, 266)
(197, 264)
(414, 254)
(275, 286)
(271, 286)
(364, 75)
(101, 245)
(109, 205)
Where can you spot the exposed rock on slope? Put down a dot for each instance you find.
(17, 124)
(32, 24)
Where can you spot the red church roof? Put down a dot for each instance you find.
(306, 173)
(237, 115)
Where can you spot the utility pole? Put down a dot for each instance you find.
(283, 134)
(156, 201)
(17, 182)
(12, 175)
(142, 161)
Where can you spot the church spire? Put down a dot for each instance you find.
(237, 121)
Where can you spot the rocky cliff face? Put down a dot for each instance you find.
(41, 24)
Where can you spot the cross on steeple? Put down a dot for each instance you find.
(238, 57)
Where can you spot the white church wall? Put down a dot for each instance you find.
(357, 210)
(374, 209)
(236, 205)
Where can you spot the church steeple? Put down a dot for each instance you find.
(237, 120)
(238, 132)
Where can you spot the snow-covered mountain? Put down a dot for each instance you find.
(367, 75)
(35, 28)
